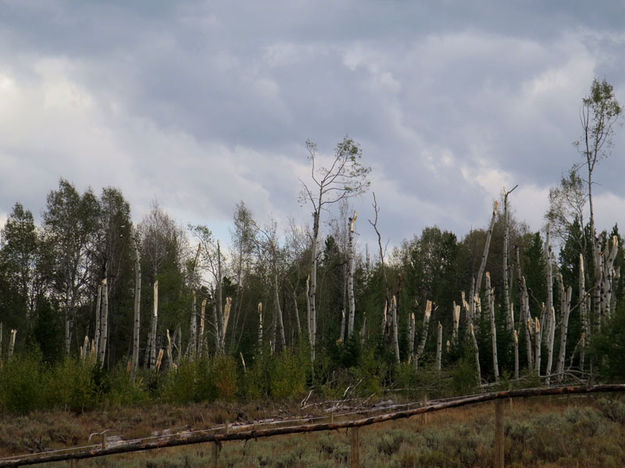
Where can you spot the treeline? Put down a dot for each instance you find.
(154, 298)
(73, 285)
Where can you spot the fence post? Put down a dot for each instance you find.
(355, 461)
(499, 435)
(216, 454)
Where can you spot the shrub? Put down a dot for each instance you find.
(288, 377)
(20, 384)
(123, 391)
(71, 385)
(225, 377)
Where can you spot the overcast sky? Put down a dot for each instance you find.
(199, 105)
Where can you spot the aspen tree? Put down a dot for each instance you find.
(350, 276)
(490, 291)
(344, 177)
(137, 310)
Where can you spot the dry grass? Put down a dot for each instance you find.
(556, 431)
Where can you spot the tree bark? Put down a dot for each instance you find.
(260, 327)
(98, 317)
(493, 328)
(524, 314)
(550, 318)
(516, 354)
(104, 323)
(506, 266)
(193, 327)
(537, 337)
(424, 333)
(276, 287)
(12, 344)
(137, 312)
(439, 347)
(480, 272)
(476, 350)
(564, 327)
(154, 326)
(395, 326)
(350, 278)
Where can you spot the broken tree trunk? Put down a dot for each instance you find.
(424, 333)
(260, 327)
(476, 350)
(154, 326)
(439, 347)
(395, 316)
(516, 354)
(193, 327)
(456, 322)
(202, 351)
(276, 296)
(524, 313)
(550, 316)
(537, 337)
(411, 335)
(137, 312)
(12, 344)
(312, 326)
(98, 317)
(565, 310)
(506, 266)
(493, 328)
(480, 272)
(583, 309)
(296, 310)
(104, 323)
(350, 277)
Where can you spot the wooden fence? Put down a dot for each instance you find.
(261, 430)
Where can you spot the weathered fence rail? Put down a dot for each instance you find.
(252, 431)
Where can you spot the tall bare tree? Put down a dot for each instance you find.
(342, 178)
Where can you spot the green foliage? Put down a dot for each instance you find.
(464, 379)
(288, 379)
(20, 384)
(123, 391)
(72, 385)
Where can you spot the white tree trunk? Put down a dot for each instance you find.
(260, 327)
(12, 343)
(493, 328)
(137, 310)
(297, 320)
(411, 335)
(395, 327)
(424, 334)
(480, 272)
(456, 322)
(98, 317)
(154, 327)
(312, 326)
(193, 327)
(350, 277)
(439, 347)
(476, 350)
(537, 337)
(549, 323)
(104, 323)
(564, 327)
(276, 287)
(202, 342)
(516, 354)
(524, 313)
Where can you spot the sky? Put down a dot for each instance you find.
(199, 105)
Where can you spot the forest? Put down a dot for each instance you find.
(96, 309)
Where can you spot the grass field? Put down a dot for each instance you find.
(567, 431)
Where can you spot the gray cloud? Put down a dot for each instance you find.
(203, 104)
